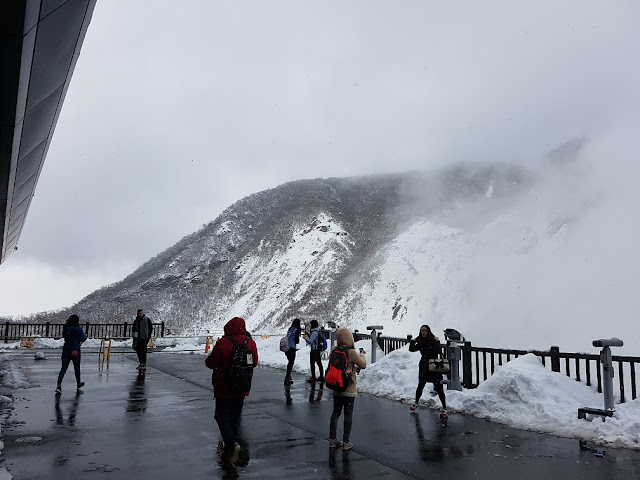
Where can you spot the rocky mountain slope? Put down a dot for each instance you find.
(376, 249)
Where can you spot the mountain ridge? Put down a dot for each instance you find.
(303, 249)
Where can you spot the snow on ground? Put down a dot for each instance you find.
(522, 393)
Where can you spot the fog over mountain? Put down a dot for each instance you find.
(503, 253)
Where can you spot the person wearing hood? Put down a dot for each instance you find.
(315, 357)
(345, 400)
(142, 330)
(229, 404)
(73, 337)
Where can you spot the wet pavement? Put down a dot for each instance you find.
(160, 426)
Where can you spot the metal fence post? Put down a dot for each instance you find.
(555, 358)
(466, 365)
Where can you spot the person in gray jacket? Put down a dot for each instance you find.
(345, 400)
(142, 332)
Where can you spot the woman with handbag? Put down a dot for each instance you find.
(429, 347)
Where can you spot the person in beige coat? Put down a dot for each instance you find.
(347, 398)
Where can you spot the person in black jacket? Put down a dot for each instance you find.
(142, 331)
(73, 337)
(429, 347)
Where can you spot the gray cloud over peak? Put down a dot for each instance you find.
(186, 110)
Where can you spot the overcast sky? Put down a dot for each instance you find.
(175, 112)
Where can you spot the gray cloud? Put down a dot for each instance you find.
(185, 110)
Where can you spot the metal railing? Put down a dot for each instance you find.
(15, 331)
(479, 363)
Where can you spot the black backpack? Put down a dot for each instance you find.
(241, 370)
(338, 375)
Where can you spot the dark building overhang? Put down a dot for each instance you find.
(40, 43)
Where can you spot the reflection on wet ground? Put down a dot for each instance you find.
(137, 401)
(71, 411)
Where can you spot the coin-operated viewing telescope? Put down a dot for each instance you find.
(607, 378)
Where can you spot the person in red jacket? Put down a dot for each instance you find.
(229, 404)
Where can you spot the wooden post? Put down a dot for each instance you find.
(162, 330)
(6, 332)
(555, 358)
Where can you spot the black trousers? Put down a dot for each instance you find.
(315, 357)
(291, 357)
(66, 359)
(141, 350)
(340, 402)
(227, 415)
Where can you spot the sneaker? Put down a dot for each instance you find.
(58, 390)
(234, 455)
(347, 446)
(335, 443)
(139, 367)
(413, 407)
(144, 366)
(444, 413)
(321, 380)
(80, 385)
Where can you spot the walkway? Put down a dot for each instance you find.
(160, 426)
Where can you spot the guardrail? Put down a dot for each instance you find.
(479, 363)
(15, 331)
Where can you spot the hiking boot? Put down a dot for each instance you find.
(80, 385)
(413, 407)
(335, 443)
(311, 380)
(347, 446)
(58, 389)
(234, 454)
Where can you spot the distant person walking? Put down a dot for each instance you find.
(229, 403)
(315, 357)
(73, 338)
(293, 336)
(142, 332)
(429, 347)
(345, 400)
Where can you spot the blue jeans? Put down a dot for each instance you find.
(228, 412)
(66, 359)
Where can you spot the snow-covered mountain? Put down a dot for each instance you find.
(480, 248)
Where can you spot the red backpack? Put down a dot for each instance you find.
(338, 375)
